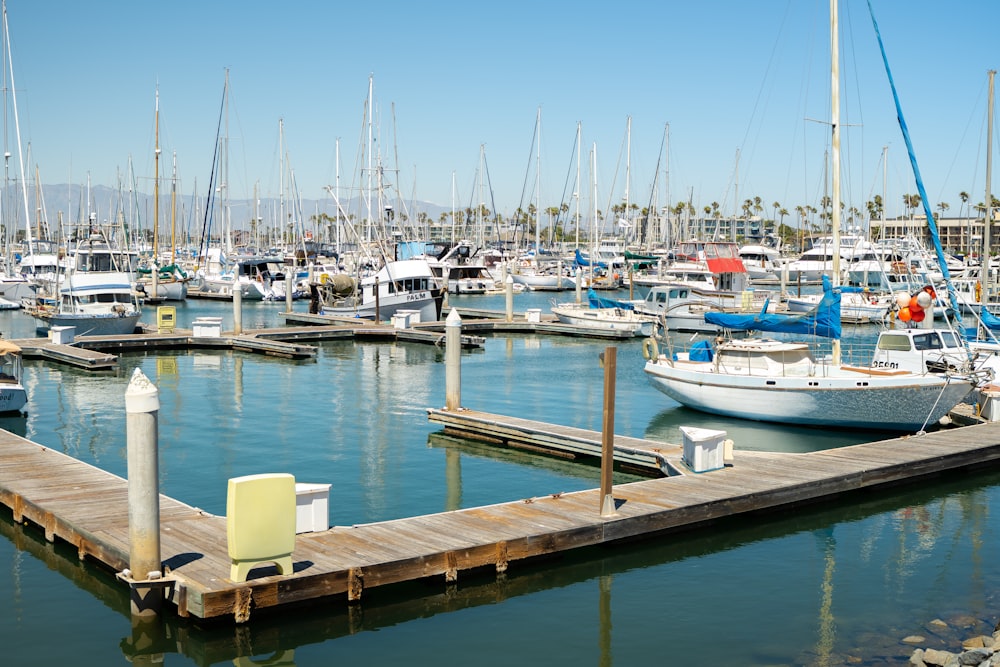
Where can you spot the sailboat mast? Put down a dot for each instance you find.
(538, 183)
(17, 131)
(156, 182)
(835, 143)
(988, 202)
(173, 210)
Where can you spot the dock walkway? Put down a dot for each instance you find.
(88, 508)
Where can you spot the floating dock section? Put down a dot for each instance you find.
(88, 508)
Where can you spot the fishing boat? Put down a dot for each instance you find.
(786, 381)
(407, 284)
(13, 397)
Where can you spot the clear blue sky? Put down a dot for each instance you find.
(728, 76)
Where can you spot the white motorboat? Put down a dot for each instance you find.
(13, 397)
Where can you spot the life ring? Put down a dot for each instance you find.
(650, 349)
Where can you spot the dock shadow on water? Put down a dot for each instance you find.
(868, 565)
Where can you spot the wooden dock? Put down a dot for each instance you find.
(97, 353)
(88, 508)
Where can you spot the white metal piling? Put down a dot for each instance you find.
(142, 407)
(289, 284)
(453, 361)
(508, 285)
(237, 308)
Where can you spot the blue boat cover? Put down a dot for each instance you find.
(583, 261)
(823, 320)
(990, 321)
(603, 302)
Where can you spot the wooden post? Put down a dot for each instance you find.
(508, 285)
(237, 306)
(142, 407)
(453, 361)
(610, 357)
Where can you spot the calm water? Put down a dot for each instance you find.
(809, 587)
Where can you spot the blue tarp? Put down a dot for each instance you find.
(990, 321)
(823, 320)
(603, 302)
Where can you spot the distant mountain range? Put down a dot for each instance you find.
(71, 205)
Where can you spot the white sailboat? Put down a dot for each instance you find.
(778, 381)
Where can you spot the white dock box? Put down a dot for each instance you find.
(989, 406)
(62, 335)
(703, 448)
(207, 327)
(533, 315)
(312, 507)
(404, 319)
(401, 319)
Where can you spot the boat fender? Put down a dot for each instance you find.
(650, 350)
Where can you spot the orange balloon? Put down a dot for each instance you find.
(905, 315)
(918, 316)
(915, 306)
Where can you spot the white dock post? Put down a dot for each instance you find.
(579, 285)
(610, 358)
(289, 284)
(508, 285)
(142, 407)
(237, 308)
(453, 361)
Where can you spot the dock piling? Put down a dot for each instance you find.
(237, 307)
(610, 361)
(453, 361)
(508, 285)
(289, 284)
(142, 406)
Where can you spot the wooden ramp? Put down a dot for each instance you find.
(88, 508)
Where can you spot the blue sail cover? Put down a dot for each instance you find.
(823, 320)
(603, 302)
(583, 261)
(990, 321)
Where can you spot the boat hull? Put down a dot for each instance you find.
(92, 325)
(835, 399)
(605, 319)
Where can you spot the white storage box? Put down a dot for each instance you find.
(533, 315)
(703, 448)
(207, 327)
(62, 335)
(989, 406)
(401, 319)
(414, 316)
(312, 507)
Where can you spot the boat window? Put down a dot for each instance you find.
(949, 338)
(894, 342)
(928, 341)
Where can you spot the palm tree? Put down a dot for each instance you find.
(942, 207)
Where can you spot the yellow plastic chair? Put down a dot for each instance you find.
(260, 523)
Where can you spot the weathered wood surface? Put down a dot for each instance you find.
(88, 508)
